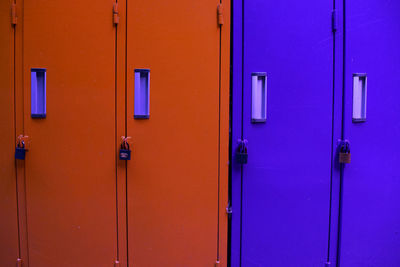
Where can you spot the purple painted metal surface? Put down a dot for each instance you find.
(281, 198)
(236, 131)
(370, 232)
(337, 133)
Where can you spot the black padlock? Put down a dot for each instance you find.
(241, 155)
(124, 151)
(20, 150)
(242, 158)
(344, 153)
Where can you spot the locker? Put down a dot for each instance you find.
(9, 251)
(283, 108)
(369, 217)
(67, 90)
(176, 182)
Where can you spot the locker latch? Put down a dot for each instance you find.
(25, 139)
(115, 14)
(344, 152)
(241, 152)
(23, 143)
(124, 150)
(228, 208)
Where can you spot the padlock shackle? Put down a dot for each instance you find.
(21, 143)
(124, 144)
(242, 146)
(344, 146)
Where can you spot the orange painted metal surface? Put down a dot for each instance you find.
(78, 204)
(9, 252)
(121, 131)
(224, 133)
(70, 170)
(173, 177)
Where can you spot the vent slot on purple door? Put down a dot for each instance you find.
(258, 97)
(359, 97)
(142, 94)
(38, 93)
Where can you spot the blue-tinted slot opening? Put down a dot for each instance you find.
(142, 94)
(359, 97)
(38, 93)
(258, 97)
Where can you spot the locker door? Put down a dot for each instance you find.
(371, 182)
(71, 166)
(8, 199)
(283, 193)
(172, 182)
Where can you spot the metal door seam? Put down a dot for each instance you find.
(219, 136)
(115, 133)
(332, 131)
(19, 120)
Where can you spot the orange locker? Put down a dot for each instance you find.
(70, 168)
(86, 75)
(9, 251)
(174, 177)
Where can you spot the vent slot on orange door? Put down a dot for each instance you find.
(258, 97)
(38, 93)
(142, 94)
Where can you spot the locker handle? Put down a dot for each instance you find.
(258, 97)
(38, 93)
(359, 97)
(142, 94)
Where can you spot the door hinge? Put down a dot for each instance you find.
(19, 262)
(13, 14)
(220, 14)
(334, 19)
(115, 14)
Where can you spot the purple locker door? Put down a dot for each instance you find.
(285, 187)
(370, 232)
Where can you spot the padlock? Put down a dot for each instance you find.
(241, 155)
(20, 150)
(242, 158)
(124, 151)
(344, 154)
(344, 157)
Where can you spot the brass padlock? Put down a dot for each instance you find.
(344, 153)
(344, 157)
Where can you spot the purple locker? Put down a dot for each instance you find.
(286, 103)
(370, 188)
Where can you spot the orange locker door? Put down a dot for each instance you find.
(172, 183)
(8, 198)
(69, 46)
